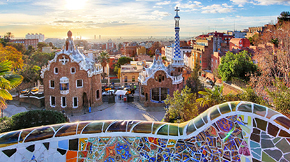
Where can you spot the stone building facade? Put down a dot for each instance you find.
(72, 81)
(156, 82)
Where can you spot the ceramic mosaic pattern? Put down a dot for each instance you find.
(234, 131)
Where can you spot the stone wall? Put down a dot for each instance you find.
(233, 131)
(231, 89)
(39, 102)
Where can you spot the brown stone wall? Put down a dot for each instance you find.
(152, 83)
(90, 85)
(231, 89)
(32, 101)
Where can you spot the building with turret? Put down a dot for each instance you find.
(72, 81)
(157, 81)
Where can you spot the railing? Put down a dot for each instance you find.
(233, 131)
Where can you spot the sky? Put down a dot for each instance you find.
(134, 18)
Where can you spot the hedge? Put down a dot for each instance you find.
(32, 119)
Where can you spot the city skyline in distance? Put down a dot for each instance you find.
(133, 18)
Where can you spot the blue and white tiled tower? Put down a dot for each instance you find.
(177, 60)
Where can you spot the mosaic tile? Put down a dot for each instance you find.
(235, 137)
(283, 145)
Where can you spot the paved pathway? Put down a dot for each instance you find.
(114, 111)
(120, 111)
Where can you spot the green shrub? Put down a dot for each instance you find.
(5, 124)
(36, 118)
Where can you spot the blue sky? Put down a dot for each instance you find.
(121, 18)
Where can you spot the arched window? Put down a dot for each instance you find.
(98, 94)
(159, 94)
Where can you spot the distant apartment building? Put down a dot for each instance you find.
(129, 73)
(202, 51)
(216, 60)
(39, 36)
(239, 44)
(110, 45)
(46, 49)
(169, 53)
(237, 34)
(141, 50)
(256, 30)
(26, 42)
(207, 44)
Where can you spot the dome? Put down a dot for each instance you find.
(69, 33)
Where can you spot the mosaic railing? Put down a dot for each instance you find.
(233, 131)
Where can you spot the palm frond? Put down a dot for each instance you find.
(5, 94)
(5, 67)
(4, 83)
(14, 80)
(2, 103)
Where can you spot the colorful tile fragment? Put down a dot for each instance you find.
(247, 132)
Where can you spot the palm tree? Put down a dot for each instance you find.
(104, 59)
(211, 97)
(8, 81)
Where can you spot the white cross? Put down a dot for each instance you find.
(63, 60)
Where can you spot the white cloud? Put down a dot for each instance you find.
(271, 2)
(216, 8)
(163, 3)
(189, 5)
(157, 6)
(241, 3)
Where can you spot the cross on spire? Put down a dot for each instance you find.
(176, 10)
(63, 60)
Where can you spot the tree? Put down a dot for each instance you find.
(9, 53)
(237, 65)
(121, 61)
(8, 36)
(193, 81)
(40, 45)
(250, 95)
(211, 97)
(273, 61)
(284, 17)
(182, 105)
(18, 46)
(40, 58)
(30, 50)
(104, 59)
(8, 81)
(30, 73)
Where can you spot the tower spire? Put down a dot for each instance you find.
(178, 57)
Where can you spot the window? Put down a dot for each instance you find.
(200, 61)
(75, 102)
(51, 84)
(98, 94)
(155, 94)
(73, 70)
(142, 90)
(63, 102)
(125, 80)
(133, 78)
(79, 83)
(159, 94)
(52, 101)
(160, 78)
(55, 70)
(64, 85)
